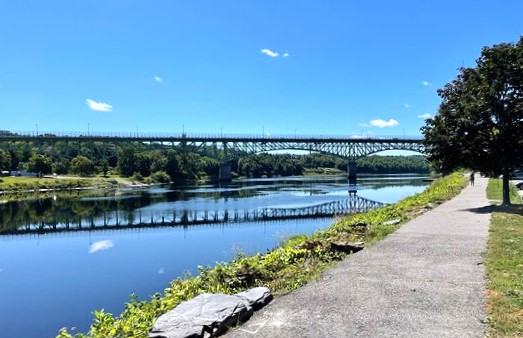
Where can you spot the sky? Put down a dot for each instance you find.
(329, 67)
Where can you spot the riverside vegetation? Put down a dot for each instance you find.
(298, 260)
(505, 265)
(151, 163)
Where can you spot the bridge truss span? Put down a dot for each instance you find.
(347, 147)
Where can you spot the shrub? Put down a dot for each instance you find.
(161, 177)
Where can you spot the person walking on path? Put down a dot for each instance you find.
(471, 177)
(427, 279)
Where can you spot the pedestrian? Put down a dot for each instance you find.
(471, 178)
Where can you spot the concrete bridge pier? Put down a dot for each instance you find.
(353, 176)
(224, 173)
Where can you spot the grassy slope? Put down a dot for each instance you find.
(505, 266)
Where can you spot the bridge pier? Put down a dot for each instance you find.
(353, 176)
(224, 173)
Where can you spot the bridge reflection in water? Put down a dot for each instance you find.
(137, 219)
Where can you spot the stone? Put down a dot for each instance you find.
(392, 222)
(209, 315)
(347, 247)
(256, 297)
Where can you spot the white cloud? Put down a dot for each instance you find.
(426, 83)
(99, 106)
(100, 246)
(363, 125)
(383, 123)
(407, 106)
(161, 271)
(425, 116)
(286, 55)
(269, 53)
(158, 79)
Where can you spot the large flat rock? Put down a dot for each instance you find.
(209, 314)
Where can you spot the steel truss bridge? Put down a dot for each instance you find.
(350, 147)
(115, 220)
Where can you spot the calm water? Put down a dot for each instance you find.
(64, 256)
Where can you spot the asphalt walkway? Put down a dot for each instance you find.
(425, 280)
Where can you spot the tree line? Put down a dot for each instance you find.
(163, 164)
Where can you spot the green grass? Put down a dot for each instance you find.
(15, 186)
(297, 261)
(505, 266)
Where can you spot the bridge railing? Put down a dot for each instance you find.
(178, 135)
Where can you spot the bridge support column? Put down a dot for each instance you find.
(353, 176)
(225, 172)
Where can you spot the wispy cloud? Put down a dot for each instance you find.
(100, 246)
(383, 123)
(161, 271)
(426, 83)
(406, 105)
(425, 116)
(286, 55)
(158, 79)
(269, 53)
(364, 125)
(99, 106)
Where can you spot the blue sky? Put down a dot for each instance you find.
(278, 67)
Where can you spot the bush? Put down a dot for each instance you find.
(137, 177)
(161, 177)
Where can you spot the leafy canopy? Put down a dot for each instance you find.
(479, 124)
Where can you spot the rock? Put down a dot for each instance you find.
(256, 297)
(392, 222)
(209, 315)
(347, 247)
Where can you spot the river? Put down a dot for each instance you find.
(63, 256)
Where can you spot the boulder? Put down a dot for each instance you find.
(209, 315)
(256, 297)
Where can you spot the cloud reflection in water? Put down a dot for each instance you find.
(100, 246)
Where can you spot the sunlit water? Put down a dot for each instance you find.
(51, 279)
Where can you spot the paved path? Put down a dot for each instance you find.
(425, 280)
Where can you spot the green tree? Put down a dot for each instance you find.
(61, 166)
(172, 165)
(104, 167)
(127, 162)
(40, 164)
(82, 166)
(5, 160)
(479, 124)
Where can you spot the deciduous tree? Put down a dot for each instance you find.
(82, 166)
(40, 164)
(479, 124)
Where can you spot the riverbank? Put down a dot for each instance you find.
(17, 188)
(427, 279)
(297, 261)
